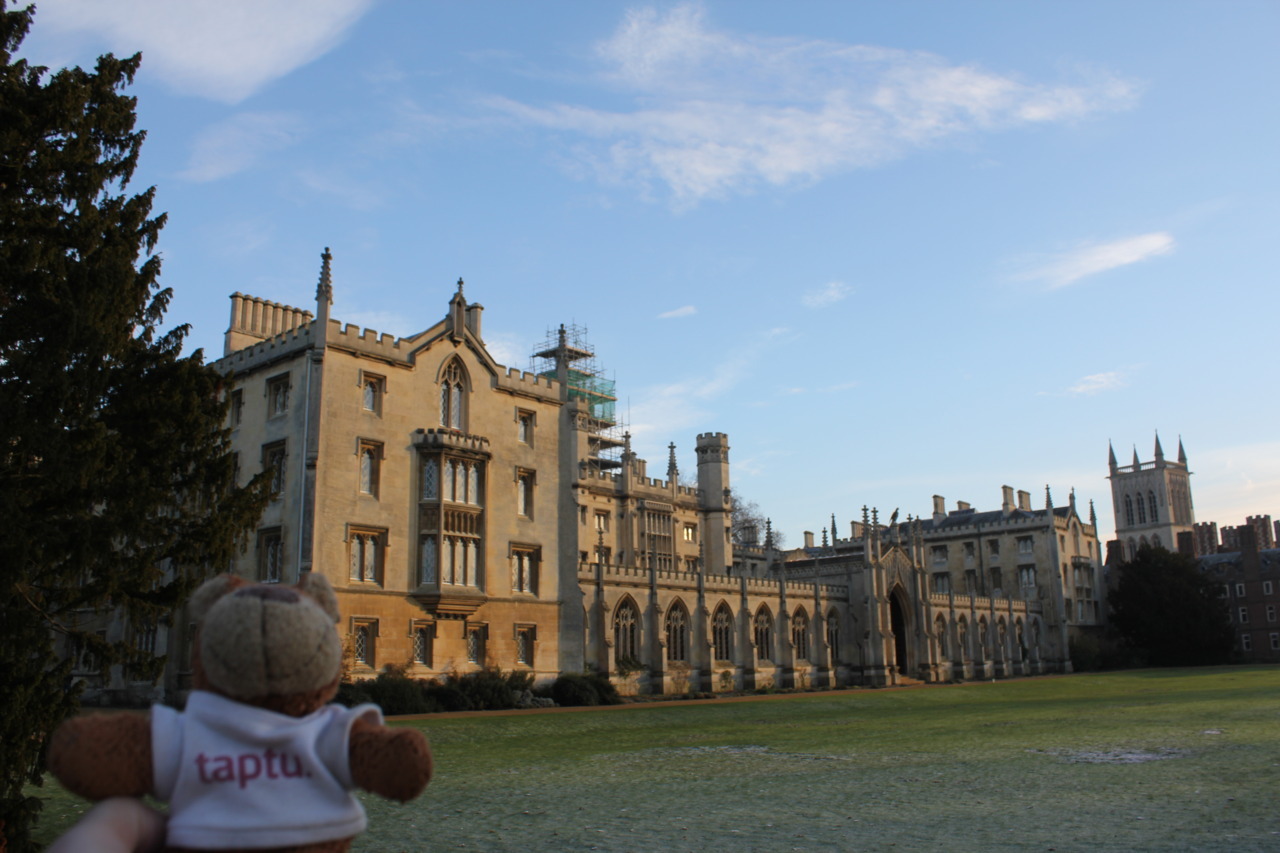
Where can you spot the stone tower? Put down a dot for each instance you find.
(713, 499)
(1151, 500)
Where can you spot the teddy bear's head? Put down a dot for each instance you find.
(267, 645)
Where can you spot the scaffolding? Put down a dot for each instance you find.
(569, 348)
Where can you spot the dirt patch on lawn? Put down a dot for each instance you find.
(1119, 755)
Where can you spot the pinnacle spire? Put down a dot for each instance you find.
(673, 472)
(1182, 454)
(1048, 497)
(1111, 456)
(1159, 449)
(1136, 463)
(324, 289)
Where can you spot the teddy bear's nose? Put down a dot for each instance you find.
(269, 593)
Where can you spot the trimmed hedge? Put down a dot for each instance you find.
(396, 693)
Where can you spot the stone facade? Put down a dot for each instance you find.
(1151, 500)
(471, 515)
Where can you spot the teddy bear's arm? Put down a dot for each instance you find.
(392, 763)
(103, 755)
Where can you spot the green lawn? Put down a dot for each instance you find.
(1149, 760)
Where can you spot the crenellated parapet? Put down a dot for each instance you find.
(353, 338)
(528, 384)
(725, 585)
(260, 353)
(453, 440)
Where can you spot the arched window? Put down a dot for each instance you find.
(940, 628)
(1021, 651)
(626, 632)
(833, 634)
(722, 633)
(962, 637)
(762, 630)
(1128, 511)
(1155, 540)
(677, 629)
(451, 397)
(1142, 510)
(1151, 503)
(800, 634)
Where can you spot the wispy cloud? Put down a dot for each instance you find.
(354, 193)
(223, 51)
(661, 411)
(1090, 259)
(236, 144)
(828, 294)
(718, 113)
(682, 311)
(1096, 383)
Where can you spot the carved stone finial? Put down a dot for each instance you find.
(459, 285)
(324, 289)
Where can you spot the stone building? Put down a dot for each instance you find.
(472, 515)
(1151, 500)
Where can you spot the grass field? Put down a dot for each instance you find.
(1149, 760)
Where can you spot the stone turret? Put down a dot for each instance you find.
(713, 488)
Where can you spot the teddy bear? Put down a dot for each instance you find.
(259, 759)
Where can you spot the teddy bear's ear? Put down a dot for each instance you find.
(209, 592)
(318, 587)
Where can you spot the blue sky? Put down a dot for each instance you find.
(892, 249)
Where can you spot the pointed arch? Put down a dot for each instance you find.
(676, 627)
(762, 632)
(901, 628)
(833, 634)
(940, 630)
(722, 632)
(800, 633)
(626, 630)
(962, 637)
(455, 388)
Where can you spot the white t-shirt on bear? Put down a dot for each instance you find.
(236, 776)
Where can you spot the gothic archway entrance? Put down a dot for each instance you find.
(898, 625)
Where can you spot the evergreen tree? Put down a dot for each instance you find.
(117, 487)
(1164, 607)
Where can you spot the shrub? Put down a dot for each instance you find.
(489, 689)
(352, 694)
(584, 689)
(397, 694)
(572, 689)
(447, 696)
